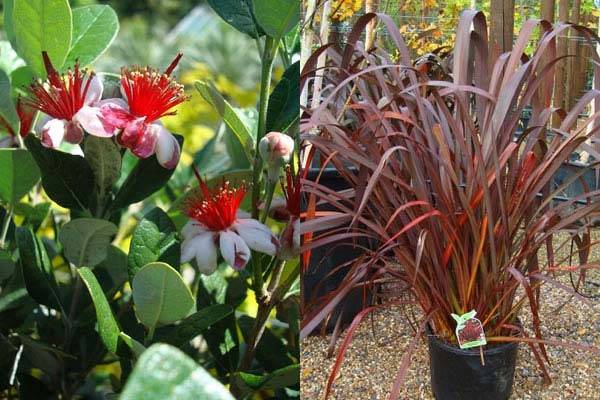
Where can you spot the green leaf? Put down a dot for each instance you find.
(42, 25)
(147, 177)
(160, 295)
(193, 325)
(229, 115)
(67, 179)
(104, 157)
(20, 79)
(277, 17)
(9, 29)
(86, 240)
(37, 269)
(164, 372)
(19, 174)
(7, 265)
(279, 379)
(9, 59)
(7, 108)
(222, 337)
(108, 328)
(34, 215)
(136, 347)
(94, 29)
(154, 239)
(239, 14)
(283, 108)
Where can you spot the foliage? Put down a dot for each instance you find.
(91, 234)
(456, 205)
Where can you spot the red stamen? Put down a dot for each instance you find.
(151, 94)
(60, 96)
(291, 191)
(217, 208)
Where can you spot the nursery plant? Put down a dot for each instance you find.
(462, 208)
(126, 269)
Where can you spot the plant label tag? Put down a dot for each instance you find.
(469, 330)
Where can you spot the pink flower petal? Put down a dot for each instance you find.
(234, 250)
(73, 132)
(94, 93)
(90, 118)
(114, 113)
(145, 139)
(53, 133)
(167, 147)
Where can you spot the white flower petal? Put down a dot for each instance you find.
(257, 236)
(167, 147)
(206, 259)
(233, 249)
(53, 133)
(94, 93)
(203, 248)
(90, 118)
(192, 228)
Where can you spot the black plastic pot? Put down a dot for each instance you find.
(458, 374)
(318, 280)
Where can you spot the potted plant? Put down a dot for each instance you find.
(460, 208)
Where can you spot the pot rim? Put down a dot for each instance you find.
(474, 352)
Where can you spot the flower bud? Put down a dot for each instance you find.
(276, 146)
(276, 149)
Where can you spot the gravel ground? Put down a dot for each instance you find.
(372, 360)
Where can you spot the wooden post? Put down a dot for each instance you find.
(561, 50)
(547, 8)
(501, 26)
(573, 49)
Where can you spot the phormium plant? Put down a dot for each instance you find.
(110, 286)
(460, 206)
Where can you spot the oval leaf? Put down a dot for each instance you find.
(104, 157)
(165, 372)
(277, 17)
(160, 295)
(19, 174)
(154, 239)
(193, 325)
(108, 328)
(42, 25)
(37, 269)
(94, 29)
(86, 240)
(67, 179)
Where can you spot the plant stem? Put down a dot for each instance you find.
(5, 225)
(269, 53)
(268, 201)
(276, 293)
(150, 335)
